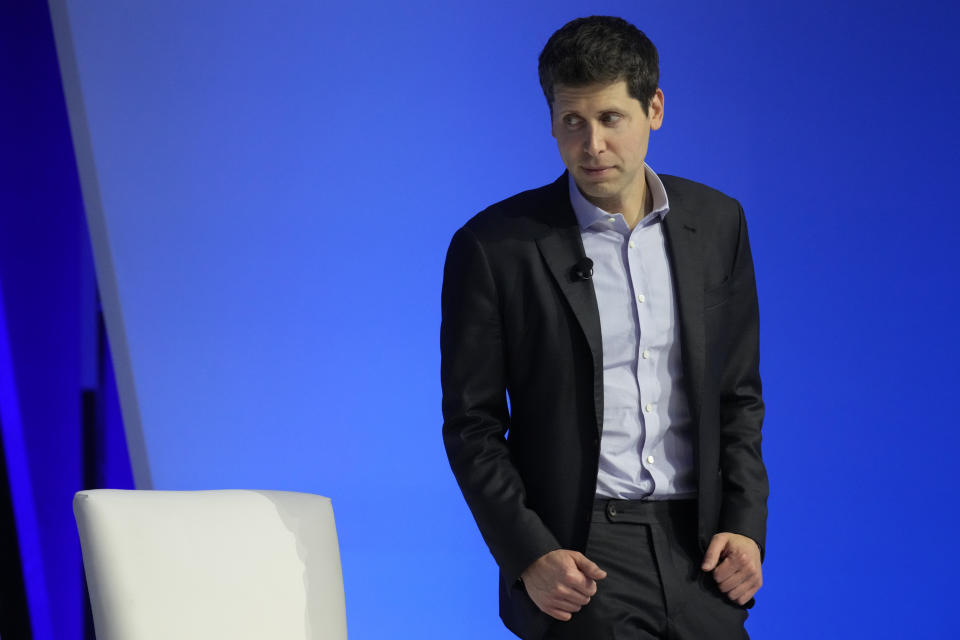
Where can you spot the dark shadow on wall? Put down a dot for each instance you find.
(60, 425)
(14, 621)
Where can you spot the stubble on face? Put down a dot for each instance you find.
(602, 133)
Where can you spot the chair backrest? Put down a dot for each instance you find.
(206, 565)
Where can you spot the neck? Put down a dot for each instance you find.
(638, 207)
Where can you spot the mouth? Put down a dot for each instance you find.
(596, 171)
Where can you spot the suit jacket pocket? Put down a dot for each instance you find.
(716, 296)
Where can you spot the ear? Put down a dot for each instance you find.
(655, 112)
(553, 125)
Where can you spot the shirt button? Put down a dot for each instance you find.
(632, 245)
(641, 297)
(648, 408)
(611, 219)
(645, 354)
(650, 459)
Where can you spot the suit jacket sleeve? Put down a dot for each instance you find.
(745, 485)
(476, 417)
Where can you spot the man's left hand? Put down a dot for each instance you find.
(735, 562)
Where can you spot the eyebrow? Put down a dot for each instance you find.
(564, 112)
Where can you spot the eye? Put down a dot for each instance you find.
(572, 121)
(611, 118)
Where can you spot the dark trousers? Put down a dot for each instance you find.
(654, 586)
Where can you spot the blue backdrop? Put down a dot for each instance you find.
(271, 187)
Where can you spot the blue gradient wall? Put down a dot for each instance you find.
(271, 188)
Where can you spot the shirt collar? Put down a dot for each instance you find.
(589, 214)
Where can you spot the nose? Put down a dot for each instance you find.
(593, 144)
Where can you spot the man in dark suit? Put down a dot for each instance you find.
(620, 488)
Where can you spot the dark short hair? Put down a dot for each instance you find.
(600, 49)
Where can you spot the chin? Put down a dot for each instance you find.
(598, 190)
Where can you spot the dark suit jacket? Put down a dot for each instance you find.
(517, 321)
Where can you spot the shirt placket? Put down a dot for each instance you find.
(646, 356)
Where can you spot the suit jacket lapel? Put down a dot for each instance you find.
(685, 251)
(562, 248)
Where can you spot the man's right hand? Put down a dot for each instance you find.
(561, 582)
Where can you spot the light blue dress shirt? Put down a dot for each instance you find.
(646, 449)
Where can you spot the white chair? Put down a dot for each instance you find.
(236, 565)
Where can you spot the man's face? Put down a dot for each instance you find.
(602, 133)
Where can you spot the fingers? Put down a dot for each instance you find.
(564, 603)
(576, 596)
(725, 569)
(739, 575)
(577, 576)
(557, 614)
(710, 559)
(742, 594)
(741, 585)
(577, 582)
(570, 603)
(574, 582)
(589, 568)
(575, 588)
(557, 585)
